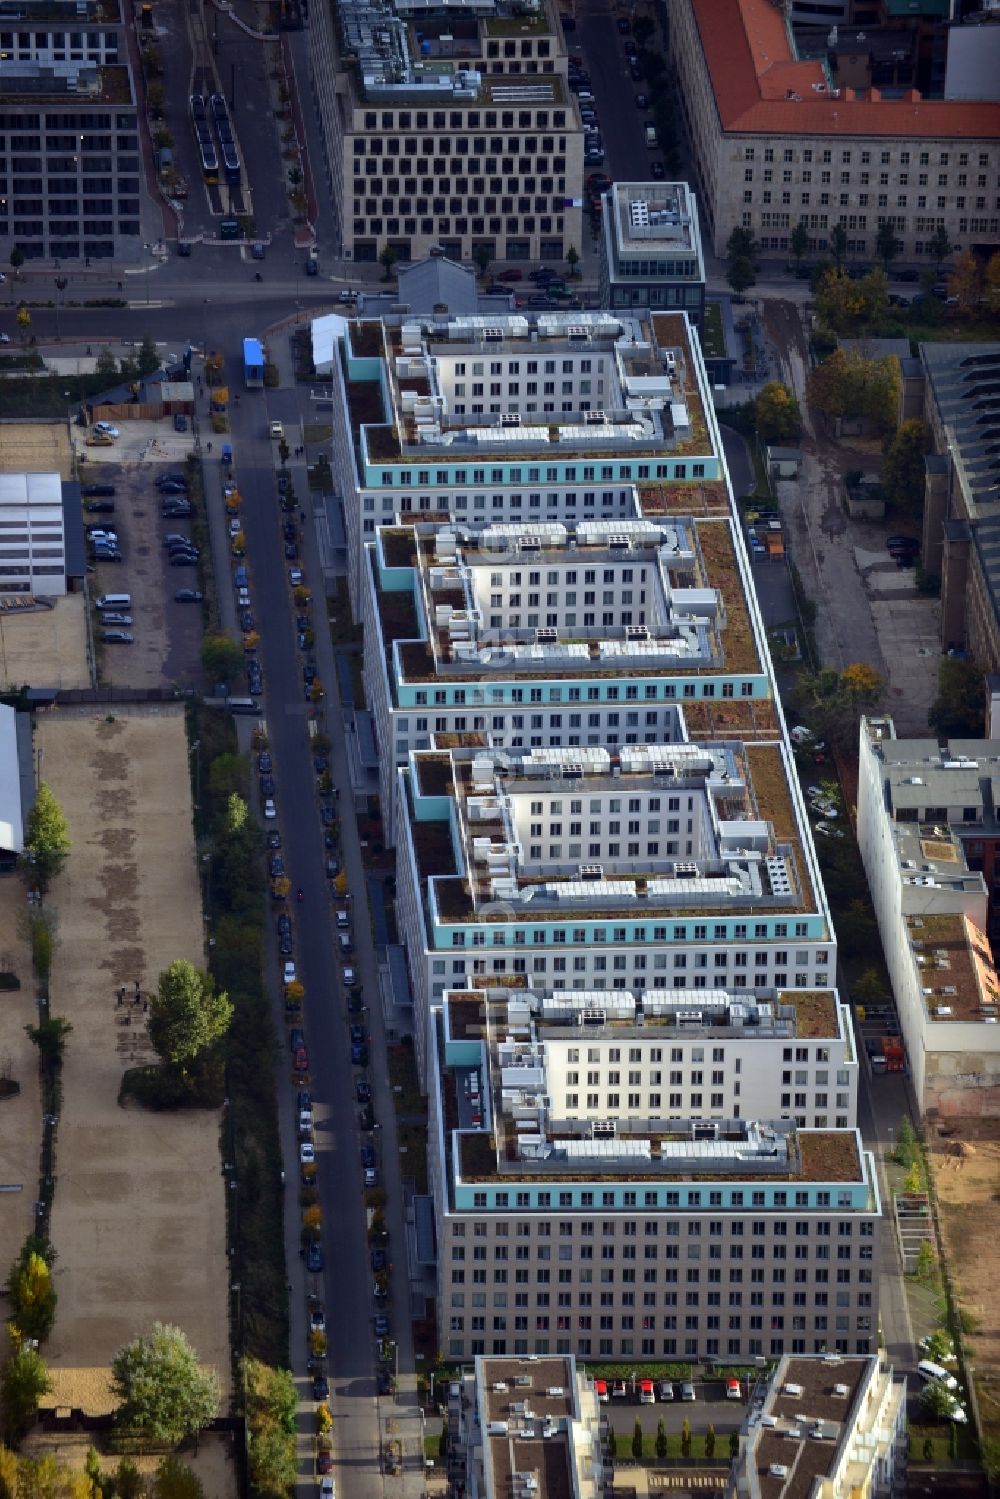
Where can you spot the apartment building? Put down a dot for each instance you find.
(777, 142)
(528, 1428)
(651, 249)
(833, 1427)
(578, 636)
(676, 866)
(454, 130)
(758, 1237)
(925, 816)
(69, 144)
(533, 417)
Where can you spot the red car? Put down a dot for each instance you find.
(301, 1060)
(324, 1462)
(512, 275)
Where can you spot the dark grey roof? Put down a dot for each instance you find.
(400, 976)
(75, 551)
(439, 281)
(965, 380)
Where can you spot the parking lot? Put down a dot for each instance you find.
(709, 1408)
(166, 634)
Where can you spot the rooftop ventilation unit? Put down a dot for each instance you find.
(546, 632)
(591, 871)
(595, 418)
(529, 543)
(510, 418)
(490, 331)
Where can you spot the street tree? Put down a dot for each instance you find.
(16, 258)
(686, 1438)
(187, 1016)
(846, 384)
(937, 1399)
(24, 1379)
(482, 256)
(637, 1440)
(662, 1445)
(844, 305)
(612, 1443)
(741, 274)
(833, 701)
(887, 243)
(902, 472)
(710, 1441)
(966, 283)
(128, 1480)
(387, 260)
(573, 260)
(148, 359)
(959, 708)
(31, 1292)
(47, 841)
(838, 244)
(106, 365)
(800, 241)
(162, 1394)
(23, 318)
(175, 1480)
(939, 247)
(221, 658)
(777, 413)
(741, 245)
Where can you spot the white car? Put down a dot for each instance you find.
(289, 971)
(270, 810)
(234, 527)
(305, 1121)
(307, 1153)
(295, 576)
(327, 1489)
(4, 338)
(108, 429)
(243, 598)
(349, 977)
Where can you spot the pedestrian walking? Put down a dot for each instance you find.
(137, 991)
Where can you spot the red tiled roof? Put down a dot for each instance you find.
(761, 88)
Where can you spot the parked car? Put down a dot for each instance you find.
(687, 1391)
(314, 1258)
(117, 637)
(270, 810)
(511, 274)
(188, 596)
(380, 1260)
(288, 973)
(180, 422)
(381, 1325)
(362, 1091)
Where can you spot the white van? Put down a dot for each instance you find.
(115, 601)
(929, 1371)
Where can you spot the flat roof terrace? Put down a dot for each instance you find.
(957, 977)
(654, 1013)
(645, 1150)
(710, 566)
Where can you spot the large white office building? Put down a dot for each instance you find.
(619, 948)
(593, 1195)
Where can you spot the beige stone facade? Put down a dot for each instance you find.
(851, 166)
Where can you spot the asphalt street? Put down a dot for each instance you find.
(346, 1284)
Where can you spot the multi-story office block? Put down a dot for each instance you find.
(777, 142)
(635, 1232)
(926, 817)
(547, 634)
(69, 146)
(454, 129)
(535, 417)
(673, 866)
(831, 1427)
(529, 1428)
(651, 248)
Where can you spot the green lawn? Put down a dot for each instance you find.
(412, 1139)
(403, 1075)
(714, 341)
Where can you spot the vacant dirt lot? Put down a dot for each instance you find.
(40, 447)
(213, 1463)
(139, 1217)
(20, 1116)
(967, 1173)
(46, 647)
(167, 634)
